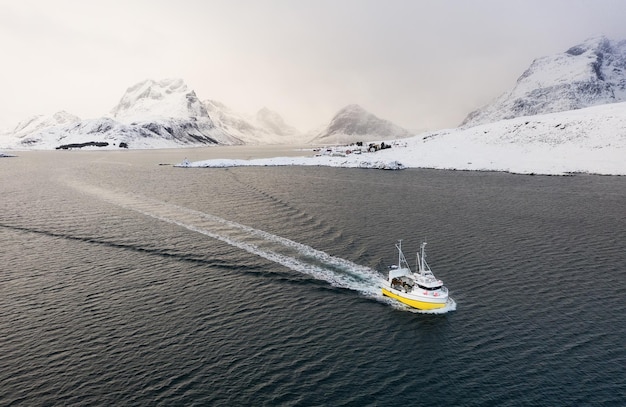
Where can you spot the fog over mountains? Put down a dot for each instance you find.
(267, 127)
(353, 123)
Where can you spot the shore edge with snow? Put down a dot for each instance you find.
(585, 141)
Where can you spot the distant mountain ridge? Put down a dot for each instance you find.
(353, 123)
(154, 114)
(168, 114)
(588, 74)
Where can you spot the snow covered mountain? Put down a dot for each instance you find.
(153, 114)
(267, 128)
(150, 115)
(170, 98)
(353, 123)
(169, 110)
(588, 74)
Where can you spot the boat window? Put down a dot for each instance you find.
(428, 288)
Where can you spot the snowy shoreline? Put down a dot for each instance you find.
(388, 165)
(585, 141)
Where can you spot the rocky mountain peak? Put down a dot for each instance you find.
(165, 98)
(354, 120)
(587, 74)
(353, 123)
(593, 44)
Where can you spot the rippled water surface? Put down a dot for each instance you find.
(127, 282)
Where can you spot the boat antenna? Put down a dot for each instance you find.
(423, 255)
(399, 253)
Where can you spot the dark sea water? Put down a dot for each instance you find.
(126, 282)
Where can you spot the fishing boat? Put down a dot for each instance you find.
(420, 289)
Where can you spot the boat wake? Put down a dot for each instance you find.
(293, 255)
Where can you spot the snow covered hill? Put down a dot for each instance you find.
(35, 124)
(353, 123)
(590, 140)
(588, 74)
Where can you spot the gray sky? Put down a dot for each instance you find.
(420, 64)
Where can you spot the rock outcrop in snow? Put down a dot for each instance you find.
(588, 74)
(353, 123)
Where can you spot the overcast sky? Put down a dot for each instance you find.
(420, 64)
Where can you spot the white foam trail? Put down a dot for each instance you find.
(295, 256)
(333, 278)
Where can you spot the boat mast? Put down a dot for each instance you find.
(422, 255)
(401, 258)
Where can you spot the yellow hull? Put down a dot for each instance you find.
(414, 303)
